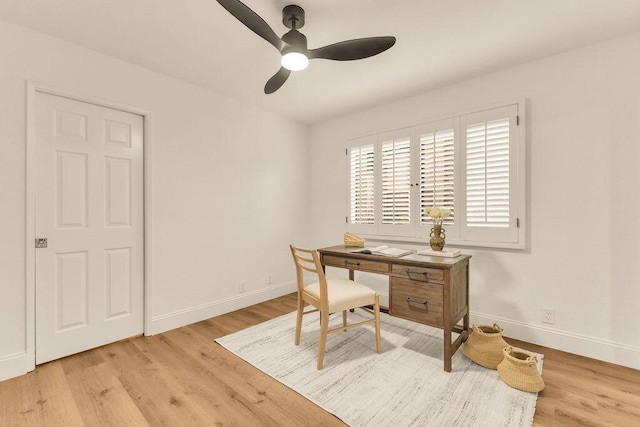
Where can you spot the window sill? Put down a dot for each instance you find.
(449, 242)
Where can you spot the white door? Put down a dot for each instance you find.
(89, 207)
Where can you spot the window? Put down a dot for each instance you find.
(471, 164)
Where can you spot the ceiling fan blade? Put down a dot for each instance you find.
(252, 20)
(277, 80)
(353, 49)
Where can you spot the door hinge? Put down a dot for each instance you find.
(517, 222)
(346, 151)
(346, 220)
(517, 120)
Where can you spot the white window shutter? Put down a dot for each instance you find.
(437, 173)
(472, 164)
(395, 183)
(490, 145)
(361, 155)
(488, 173)
(362, 185)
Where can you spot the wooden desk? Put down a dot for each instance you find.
(429, 290)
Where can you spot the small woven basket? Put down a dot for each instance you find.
(351, 240)
(519, 369)
(484, 345)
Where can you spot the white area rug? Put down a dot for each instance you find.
(404, 386)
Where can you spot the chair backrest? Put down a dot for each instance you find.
(308, 260)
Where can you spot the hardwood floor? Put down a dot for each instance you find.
(182, 378)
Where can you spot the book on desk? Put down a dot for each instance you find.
(449, 253)
(384, 250)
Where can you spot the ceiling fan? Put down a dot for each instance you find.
(293, 44)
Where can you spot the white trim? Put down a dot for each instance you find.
(146, 166)
(32, 89)
(201, 312)
(76, 96)
(447, 116)
(30, 234)
(582, 345)
(14, 365)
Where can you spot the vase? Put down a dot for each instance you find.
(437, 238)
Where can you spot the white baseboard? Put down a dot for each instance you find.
(582, 345)
(201, 312)
(14, 365)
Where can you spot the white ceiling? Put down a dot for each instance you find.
(439, 42)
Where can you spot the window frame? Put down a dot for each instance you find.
(459, 234)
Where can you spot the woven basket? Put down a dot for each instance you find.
(484, 345)
(519, 369)
(351, 240)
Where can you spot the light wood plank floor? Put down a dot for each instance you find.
(182, 378)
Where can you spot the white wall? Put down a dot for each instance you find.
(583, 257)
(227, 181)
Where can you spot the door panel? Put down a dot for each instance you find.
(118, 192)
(118, 282)
(89, 205)
(70, 299)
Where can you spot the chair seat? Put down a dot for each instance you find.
(344, 294)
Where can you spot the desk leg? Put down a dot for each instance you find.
(447, 349)
(447, 325)
(351, 276)
(465, 324)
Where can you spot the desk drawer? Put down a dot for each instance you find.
(423, 274)
(356, 264)
(417, 301)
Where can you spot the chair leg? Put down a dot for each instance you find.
(344, 318)
(376, 313)
(324, 327)
(299, 319)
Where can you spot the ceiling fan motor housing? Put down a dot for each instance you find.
(296, 39)
(293, 17)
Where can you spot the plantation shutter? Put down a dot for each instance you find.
(488, 173)
(472, 165)
(490, 179)
(396, 181)
(362, 184)
(437, 174)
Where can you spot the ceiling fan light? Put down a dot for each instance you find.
(294, 61)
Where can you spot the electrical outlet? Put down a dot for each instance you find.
(548, 316)
(269, 280)
(241, 287)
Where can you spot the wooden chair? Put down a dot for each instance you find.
(331, 296)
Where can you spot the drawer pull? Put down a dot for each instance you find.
(417, 301)
(410, 272)
(347, 263)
